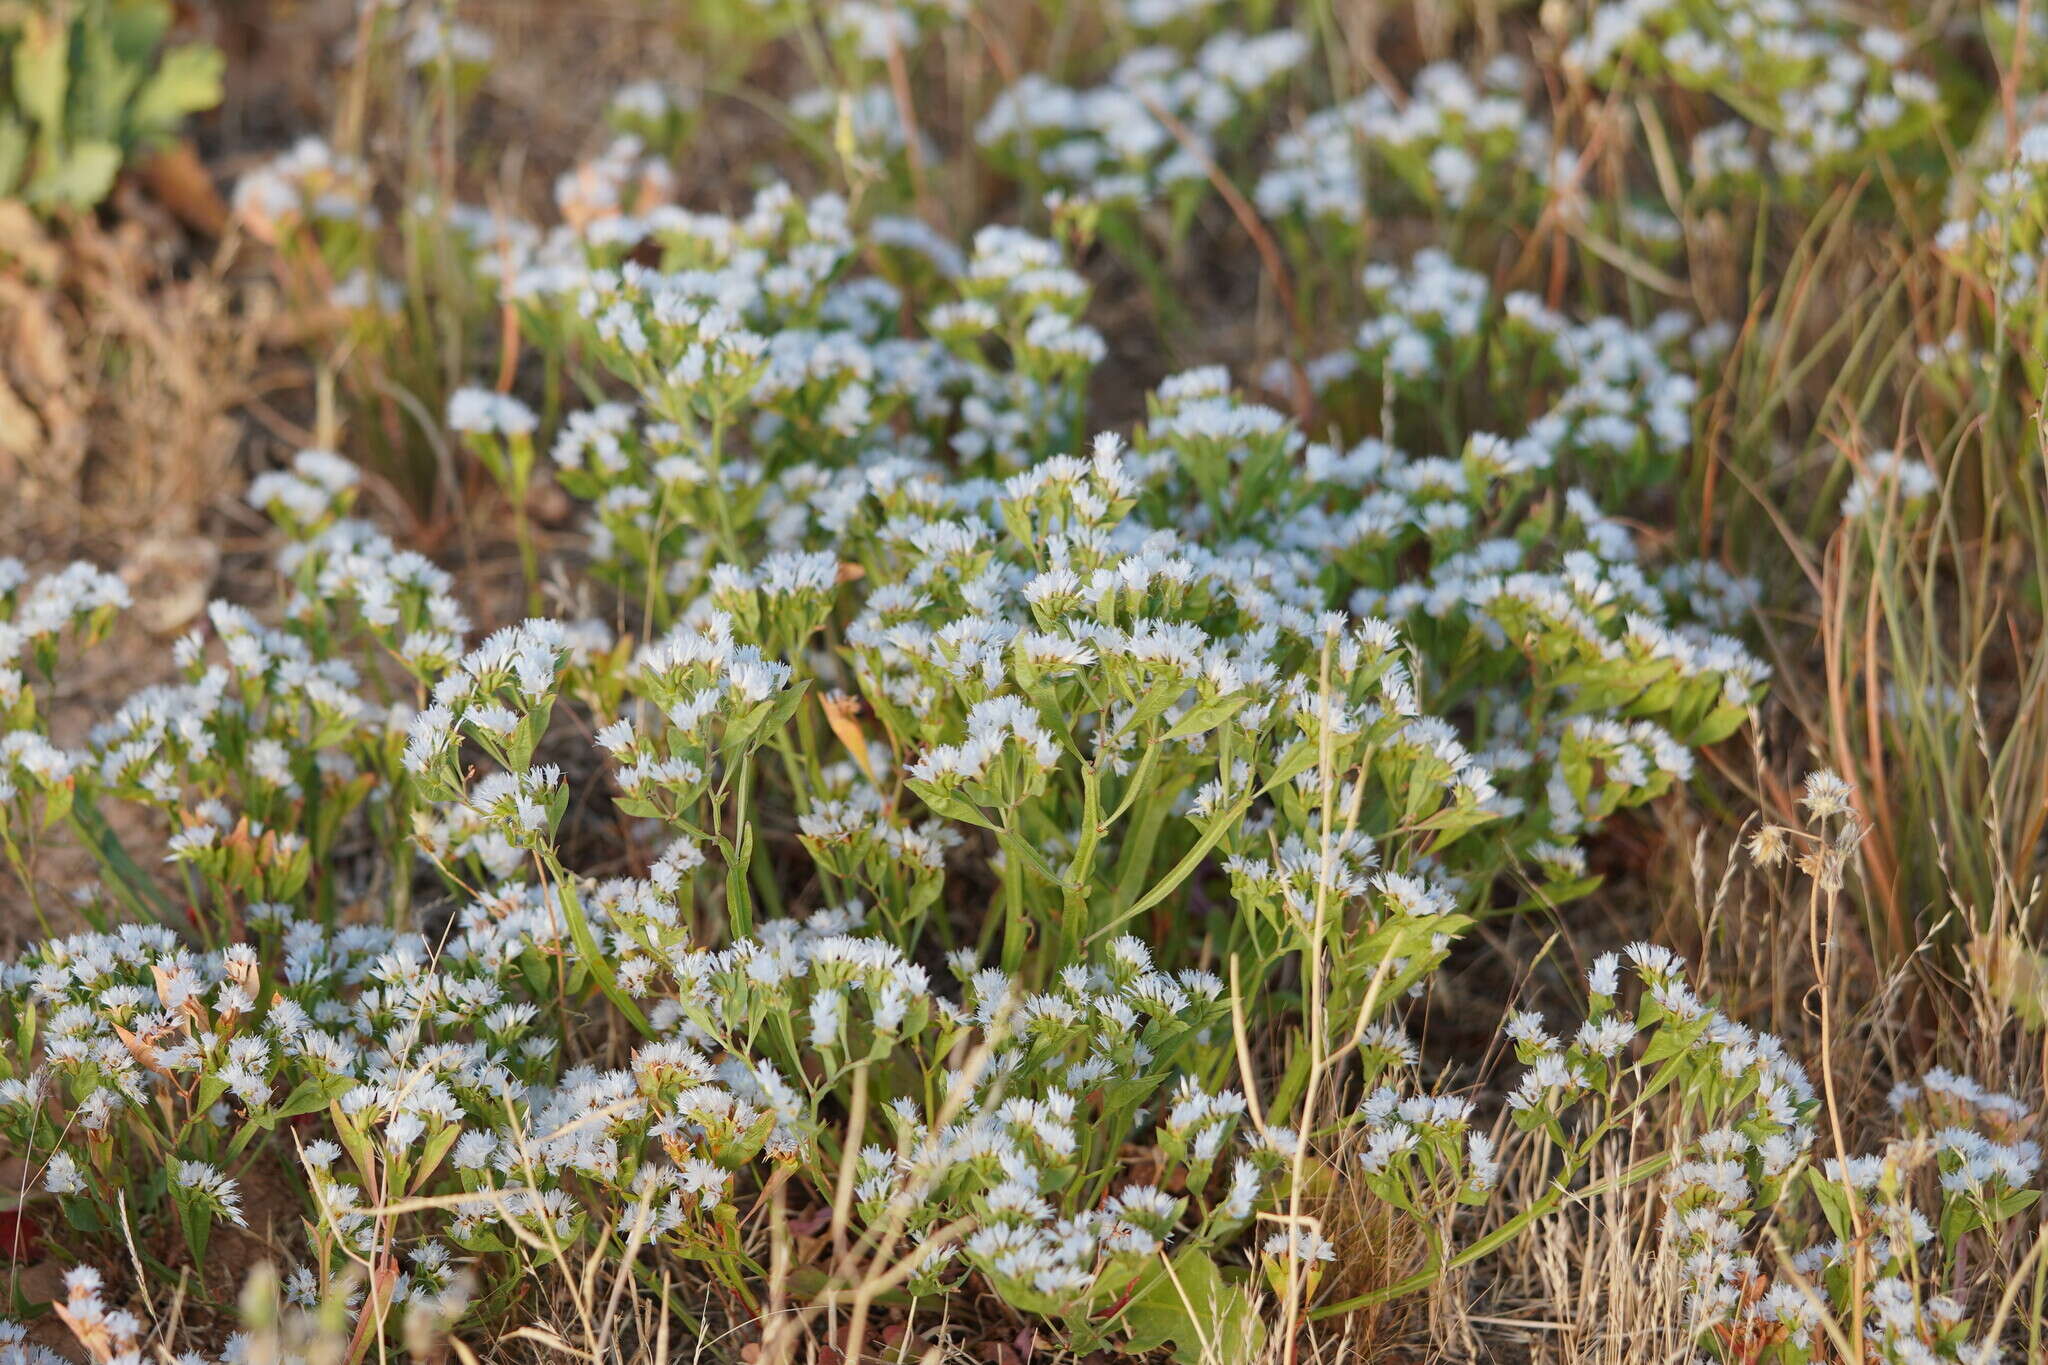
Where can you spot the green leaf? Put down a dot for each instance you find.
(1014, 846)
(1673, 1040)
(309, 1096)
(100, 86)
(25, 1030)
(354, 1141)
(2013, 1203)
(208, 1093)
(135, 27)
(1305, 754)
(13, 153)
(739, 901)
(194, 1221)
(1720, 723)
(526, 737)
(593, 957)
(81, 1214)
(436, 1148)
(57, 801)
(79, 179)
(1957, 1218)
(1834, 1202)
(1207, 716)
(640, 806)
(187, 81)
(952, 807)
(42, 72)
(1209, 1320)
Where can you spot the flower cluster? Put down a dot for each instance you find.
(857, 649)
(1451, 143)
(1822, 95)
(892, 640)
(1152, 131)
(1905, 1221)
(1610, 403)
(1995, 244)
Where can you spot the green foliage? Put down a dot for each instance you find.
(914, 851)
(87, 85)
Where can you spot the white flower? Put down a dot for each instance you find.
(1826, 795)
(61, 1174)
(212, 1187)
(483, 412)
(1887, 478)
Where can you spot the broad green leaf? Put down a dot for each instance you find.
(42, 72)
(1208, 1319)
(14, 142)
(135, 27)
(80, 179)
(186, 81)
(100, 86)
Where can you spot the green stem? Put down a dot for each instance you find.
(739, 906)
(1181, 870)
(529, 560)
(1074, 917)
(28, 884)
(131, 884)
(587, 947)
(1016, 924)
